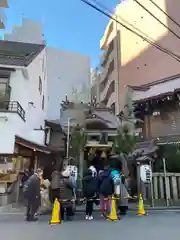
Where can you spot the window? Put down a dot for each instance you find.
(110, 70)
(3, 87)
(113, 107)
(109, 92)
(94, 138)
(40, 85)
(106, 55)
(111, 138)
(43, 103)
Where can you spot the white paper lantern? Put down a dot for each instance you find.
(146, 173)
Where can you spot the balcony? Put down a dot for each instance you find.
(108, 51)
(12, 107)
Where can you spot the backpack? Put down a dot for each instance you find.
(106, 187)
(26, 189)
(70, 182)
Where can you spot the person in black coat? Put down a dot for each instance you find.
(106, 190)
(32, 192)
(90, 189)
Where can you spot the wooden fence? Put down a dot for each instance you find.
(163, 189)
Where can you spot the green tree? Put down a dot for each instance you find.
(171, 152)
(125, 141)
(78, 141)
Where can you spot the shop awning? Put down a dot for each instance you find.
(32, 145)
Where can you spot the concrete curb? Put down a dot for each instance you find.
(5, 211)
(146, 208)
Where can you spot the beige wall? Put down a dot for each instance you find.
(139, 62)
(167, 124)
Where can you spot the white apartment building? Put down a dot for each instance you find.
(68, 73)
(23, 95)
(29, 32)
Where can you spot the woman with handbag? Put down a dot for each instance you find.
(66, 195)
(55, 184)
(124, 195)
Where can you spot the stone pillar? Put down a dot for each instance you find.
(155, 183)
(161, 187)
(167, 187)
(81, 167)
(174, 188)
(138, 178)
(179, 183)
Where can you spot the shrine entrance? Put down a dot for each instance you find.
(98, 157)
(100, 137)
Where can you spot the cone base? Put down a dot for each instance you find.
(142, 214)
(112, 220)
(54, 223)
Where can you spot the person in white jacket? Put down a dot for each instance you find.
(93, 170)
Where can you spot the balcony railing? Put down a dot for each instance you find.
(13, 107)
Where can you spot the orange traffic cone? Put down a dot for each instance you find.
(113, 214)
(55, 213)
(141, 210)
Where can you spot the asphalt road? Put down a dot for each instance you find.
(157, 225)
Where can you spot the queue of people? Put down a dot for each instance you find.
(106, 184)
(98, 188)
(32, 194)
(62, 185)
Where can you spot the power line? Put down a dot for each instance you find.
(174, 21)
(157, 19)
(144, 34)
(175, 56)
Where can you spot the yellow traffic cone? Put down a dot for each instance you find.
(141, 211)
(113, 214)
(55, 213)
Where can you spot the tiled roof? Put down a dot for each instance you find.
(18, 53)
(155, 90)
(108, 117)
(168, 139)
(79, 115)
(145, 148)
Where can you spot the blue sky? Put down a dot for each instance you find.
(68, 24)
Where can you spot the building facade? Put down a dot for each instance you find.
(23, 103)
(28, 32)
(95, 84)
(128, 59)
(68, 75)
(157, 104)
(3, 4)
(68, 72)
